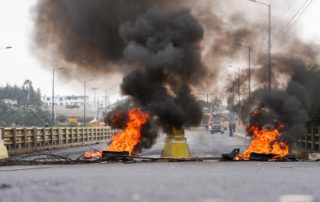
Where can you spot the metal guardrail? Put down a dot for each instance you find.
(311, 140)
(20, 140)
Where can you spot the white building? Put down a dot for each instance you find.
(10, 102)
(73, 100)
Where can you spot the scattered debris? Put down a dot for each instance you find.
(116, 156)
(232, 155)
(261, 157)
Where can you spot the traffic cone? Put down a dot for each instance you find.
(175, 145)
(3, 149)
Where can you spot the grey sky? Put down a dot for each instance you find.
(18, 63)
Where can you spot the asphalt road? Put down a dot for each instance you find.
(163, 181)
(201, 144)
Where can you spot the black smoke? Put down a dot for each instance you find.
(290, 106)
(154, 43)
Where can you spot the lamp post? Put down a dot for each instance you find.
(94, 99)
(107, 97)
(249, 67)
(95, 104)
(249, 71)
(239, 92)
(52, 99)
(84, 103)
(269, 41)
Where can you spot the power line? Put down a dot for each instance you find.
(294, 5)
(306, 9)
(297, 13)
(302, 9)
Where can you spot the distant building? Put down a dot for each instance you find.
(73, 105)
(67, 101)
(10, 102)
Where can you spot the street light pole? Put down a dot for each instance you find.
(249, 72)
(239, 84)
(84, 103)
(269, 69)
(239, 107)
(239, 92)
(249, 67)
(52, 99)
(269, 42)
(94, 98)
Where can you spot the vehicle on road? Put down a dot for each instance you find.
(216, 127)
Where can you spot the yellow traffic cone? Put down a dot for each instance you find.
(176, 145)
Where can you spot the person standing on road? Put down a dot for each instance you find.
(231, 128)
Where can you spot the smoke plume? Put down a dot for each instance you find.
(167, 49)
(154, 44)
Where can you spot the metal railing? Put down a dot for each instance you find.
(311, 140)
(19, 140)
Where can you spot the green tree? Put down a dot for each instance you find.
(28, 110)
(61, 118)
(216, 102)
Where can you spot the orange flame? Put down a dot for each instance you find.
(128, 139)
(265, 141)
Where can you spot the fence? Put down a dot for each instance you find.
(311, 140)
(19, 140)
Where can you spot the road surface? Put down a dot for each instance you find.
(163, 181)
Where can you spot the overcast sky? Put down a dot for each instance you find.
(18, 63)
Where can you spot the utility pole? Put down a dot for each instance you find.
(105, 98)
(233, 93)
(52, 101)
(239, 107)
(84, 103)
(99, 111)
(269, 41)
(94, 100)
(249, 71)
(269, 69)
(239, 84)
